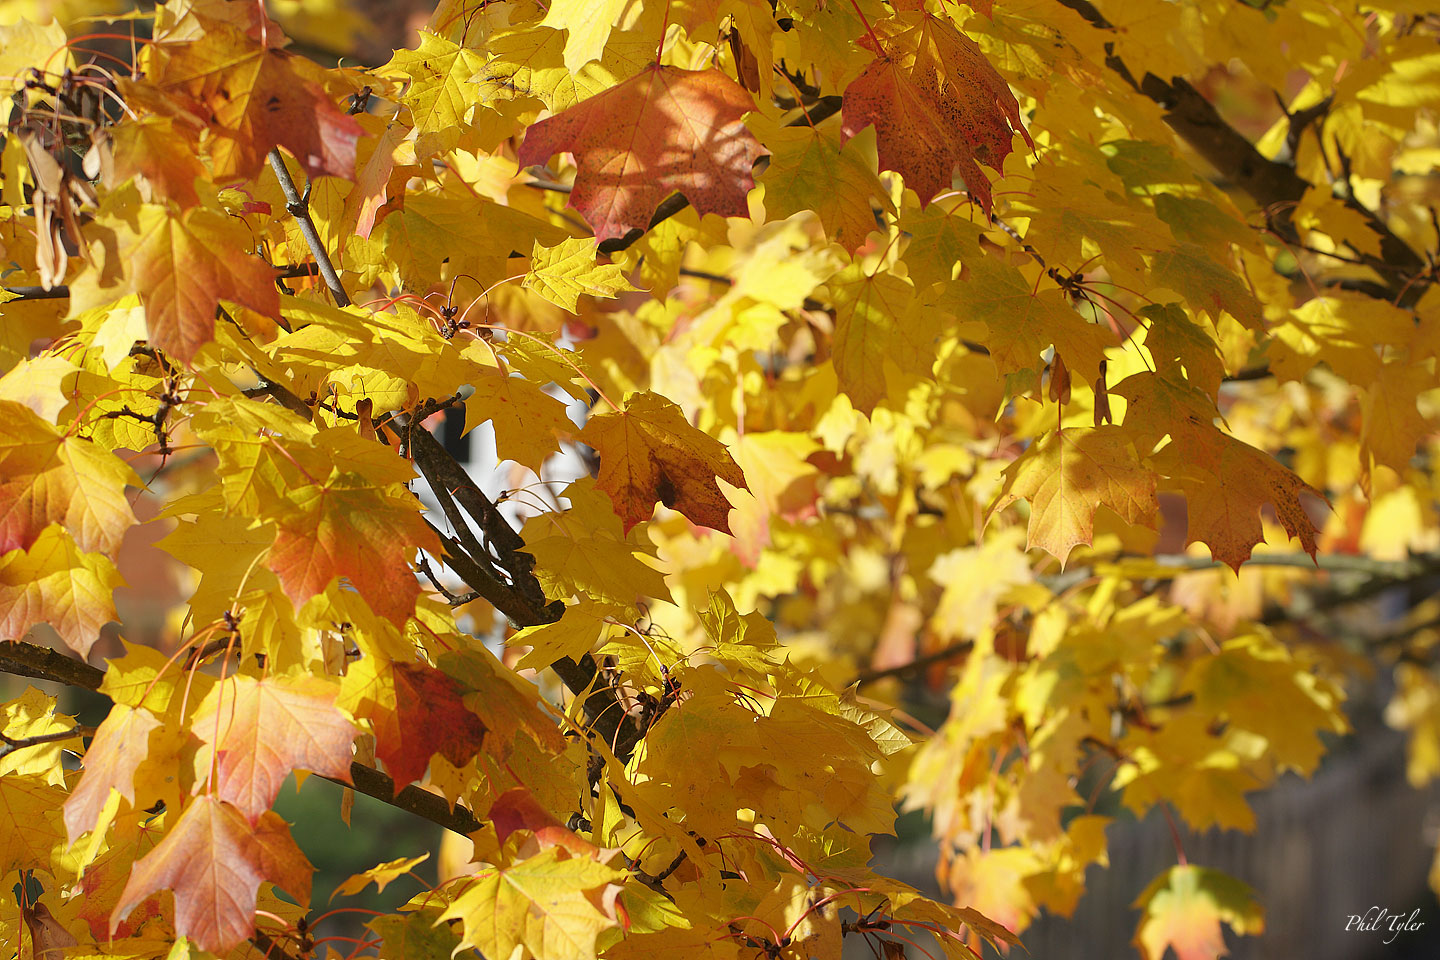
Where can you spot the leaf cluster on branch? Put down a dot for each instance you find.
(1061, 373)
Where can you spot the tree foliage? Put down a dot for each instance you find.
(917, 352)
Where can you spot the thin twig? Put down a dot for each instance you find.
(298, 206)
(269, 948)
(75, 733)
(919, 663)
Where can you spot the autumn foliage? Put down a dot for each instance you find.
(854, 363)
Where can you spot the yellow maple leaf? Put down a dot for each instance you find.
(55, 582)
(563, 273)
(1068, 475)
(540, 907)
(33, 714)
(587, 24)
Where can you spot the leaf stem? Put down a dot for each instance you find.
(879, 50)
(664, 28)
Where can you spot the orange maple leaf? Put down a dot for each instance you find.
(430, 717)
(183, 266)
(215, 861)
(53, 582)
(936, 103)
(664, 130)
(164, 153)
(120, 745)
(361, 533)
(1070, 474)
(254, 98)
(1183, 909)
(47, 477)
(258, 731)
(650, 454)
(1226, 482)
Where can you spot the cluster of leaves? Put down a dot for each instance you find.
(869, 312)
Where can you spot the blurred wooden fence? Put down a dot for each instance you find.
(1356, 836)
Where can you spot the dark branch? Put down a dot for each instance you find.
(29, 660)
(57, 292)
(1275, 186)
(11, 745)
(919, 663)
(522, 599)
(671, 206)
(422, 803)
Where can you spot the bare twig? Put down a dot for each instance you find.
(269, 948)
(298, 205)
(11, 745)
(919, 663)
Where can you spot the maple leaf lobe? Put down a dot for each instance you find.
(215, 861)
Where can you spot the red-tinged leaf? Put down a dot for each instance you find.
(650, 454)
(936, 104)
(120, 745)
(517, 809)
(57, 584)
(161, 151)
(364, 202)
(1226, 482)
(430, 717)
(1183, 909)
(665, 130)
(258, 731)
(47, 477)
(215, 861)
(183, 266)
(104, 881)
(255, 98)
(361, 533)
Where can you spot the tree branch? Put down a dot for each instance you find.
(40, 663)
(75, 733)
(298, 205)
(61, 291)
(524, 600)
(57, 292)
(919, 663)
(30, 660)
(1275, 186)
(672, 205)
